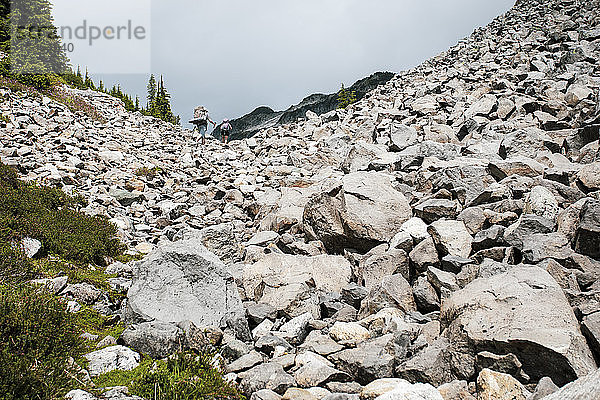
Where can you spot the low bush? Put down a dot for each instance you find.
(37, 336)
(52, 217)
(149, 173)
(181, 377)
(15, 267)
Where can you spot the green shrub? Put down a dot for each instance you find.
(14, 265)
(181, 377)
(52, 217)
(346, 97)
(37, 336)
(149, 173)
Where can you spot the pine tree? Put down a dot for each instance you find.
(33, 57)
(88, 82)
(346, 97)
(151, 95)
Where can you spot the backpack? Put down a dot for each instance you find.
(201, 113)
(226, 127)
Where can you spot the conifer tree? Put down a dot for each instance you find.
(346, 97)
(88, 82)
(151, 95)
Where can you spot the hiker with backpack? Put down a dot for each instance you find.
(225, 130)
(201, 120)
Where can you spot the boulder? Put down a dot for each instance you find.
(451, 237)
(360, 156)
(298, 394)
(523, 143)
(402, 136)
(362, 211)
(269, 376)
(433, 209)
(79, 394)
(425, 295)
(295, 330)
(526, 226)
(591, 329)
(265, 394)
(542, 202)
(379, 387)
(246, 362)
(408, 391)
(376, 267)
(424, 255)
(30, 246)
(110, 359)
(183, 281)
(545, 387)
(494, 385)
(393, 291)
(587, 239)
(321, 344)
(584, 388)
(370, 360)
(524, 312)
(541, 246)
(156, 339)
(437, 364)
(589, 177)
(315, 370)
(280, 280)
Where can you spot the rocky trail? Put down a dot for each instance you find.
(439, 239)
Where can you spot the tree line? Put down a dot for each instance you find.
(41, 62)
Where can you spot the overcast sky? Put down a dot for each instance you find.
(235, 55)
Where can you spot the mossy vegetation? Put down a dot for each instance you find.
(183, 376)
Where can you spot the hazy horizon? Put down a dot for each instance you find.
(233, 56)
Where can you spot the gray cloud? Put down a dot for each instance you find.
(234, 55)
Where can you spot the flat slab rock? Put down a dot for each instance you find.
(275, 271)
(524, 312)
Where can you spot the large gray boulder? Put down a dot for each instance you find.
(283, 281)
(266, 376)
(110, 359)
(585, 388)
(360, 212)
(524, 312)
(183, 281)
(156, 339)
(587, 240)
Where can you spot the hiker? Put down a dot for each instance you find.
(225, 130)
(201, 120)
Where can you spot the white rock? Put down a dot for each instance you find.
(110, 359)
(349, 333)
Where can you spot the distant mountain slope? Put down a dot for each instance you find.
(265, 117)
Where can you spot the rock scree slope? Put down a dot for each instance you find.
(437, 239)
